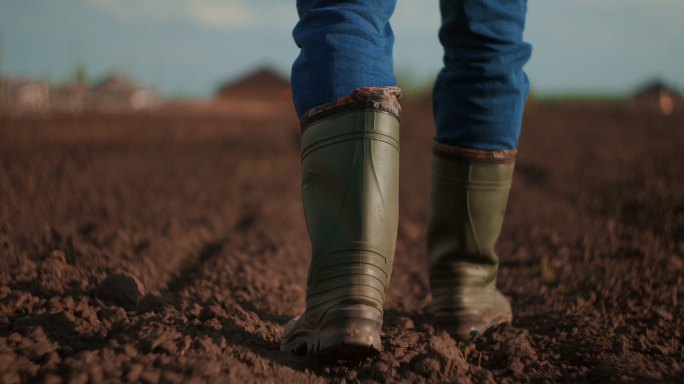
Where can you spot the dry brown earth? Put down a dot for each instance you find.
(172, 248)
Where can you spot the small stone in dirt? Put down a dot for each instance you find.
(121, 288)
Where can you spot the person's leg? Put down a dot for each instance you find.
(349, 114)
(345, 44)
(478, 104)
(481, 91)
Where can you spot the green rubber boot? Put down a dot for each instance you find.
(350, 188)
(469, 195)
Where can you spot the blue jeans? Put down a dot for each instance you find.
(480, 93)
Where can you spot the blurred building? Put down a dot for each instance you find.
(23, 95)
(263, 84)
(112, 94)
(117, 93)
(70, 97)
(657, 96)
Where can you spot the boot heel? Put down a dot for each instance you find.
(466, 323)
(462, 325)
(351, 331)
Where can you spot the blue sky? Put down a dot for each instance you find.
(188, 47)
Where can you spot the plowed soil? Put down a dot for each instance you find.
(171, 247)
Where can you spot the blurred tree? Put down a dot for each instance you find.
(80, 74)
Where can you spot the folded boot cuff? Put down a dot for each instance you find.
(377, 98)
(474, 155)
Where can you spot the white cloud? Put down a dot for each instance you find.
(221, 14)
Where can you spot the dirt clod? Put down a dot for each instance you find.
(121, 288)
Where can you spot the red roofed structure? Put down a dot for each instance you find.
(261, 84)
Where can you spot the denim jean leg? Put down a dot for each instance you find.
(480, 93)
(344, 45)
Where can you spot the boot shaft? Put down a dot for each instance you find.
(469, 196)
(467, 206)
(350, 184)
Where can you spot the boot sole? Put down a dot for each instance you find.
(466, 325)
(345, 334)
